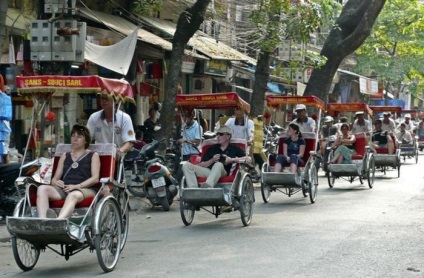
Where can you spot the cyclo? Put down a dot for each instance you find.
(382, 158)
(235, 190)
(306, 179)
(363, 163)
(99, 222)
(410, 150)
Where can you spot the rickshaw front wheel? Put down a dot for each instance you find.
(371, 172)
(313, 184)
(247, 199)
(108, 240)
(26, 255)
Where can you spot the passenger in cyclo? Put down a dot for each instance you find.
(409, 124)
(382, 139)
(420, 129)
(305, 123)
(361, 124)
(403, 136)
(344, 147)
(75, 178)
(388, 124)
(218, 161)
(293, 150)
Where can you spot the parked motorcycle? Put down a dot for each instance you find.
(10, 193)
(159, 184)
(139, 173)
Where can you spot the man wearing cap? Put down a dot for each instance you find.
(327, 130)
(387, 123)
(409, 125)
(305, 123)
(403, 136)
(102, 129)
(361, 124)
(381, 139)
(217, 162)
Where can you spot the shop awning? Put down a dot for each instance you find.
(367, 85)
(125, 27)
(18, 22)
(200, 42)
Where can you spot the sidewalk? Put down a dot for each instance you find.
(4, 234)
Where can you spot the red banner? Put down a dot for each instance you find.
(213, 101)
(393, 109)
(306, 100)
(82, 84)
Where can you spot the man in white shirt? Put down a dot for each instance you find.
(409, 125)
(403, 136)
(101, 127)
(388, 124)
(361, 124)
(305, 123)
(241, 126)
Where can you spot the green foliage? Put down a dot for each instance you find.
(394, 50)
(147, 7)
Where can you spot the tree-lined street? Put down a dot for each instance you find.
(351, 231)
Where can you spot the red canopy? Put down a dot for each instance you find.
(394, 109)
(229, 100)
(121, 89)
(332, 108)
(274, 101)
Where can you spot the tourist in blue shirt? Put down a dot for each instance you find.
(191, 132)
(293, 150)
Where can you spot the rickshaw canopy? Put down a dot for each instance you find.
(275, 101)
(333, 108)
(380, 109)
(93, 84)
(229, 100)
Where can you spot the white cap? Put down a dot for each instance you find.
(408, 115)
(300, 107)
(359, 113)
(328, 119)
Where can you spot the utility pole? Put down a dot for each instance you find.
(3, 13)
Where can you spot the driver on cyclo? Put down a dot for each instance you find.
(403, 136)
(218, 161)
(327, 130)
(382, 139)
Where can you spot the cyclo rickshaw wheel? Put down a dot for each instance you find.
(26, 254)
(107, 241)
(247, 199)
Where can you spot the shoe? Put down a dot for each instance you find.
(305, 192)
(51, 213)
(205, 185)
(225, 209)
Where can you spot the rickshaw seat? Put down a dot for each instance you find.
(386, 150)
(360, 146)
(107, 154)
(310, 145)
(196, 159)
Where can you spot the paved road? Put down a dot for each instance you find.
(351, 231)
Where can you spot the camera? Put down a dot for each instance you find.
(222, 158)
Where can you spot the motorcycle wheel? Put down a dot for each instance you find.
(164, 203)
(137, 191)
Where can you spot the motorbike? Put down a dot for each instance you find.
(10, 193)
(149, 176)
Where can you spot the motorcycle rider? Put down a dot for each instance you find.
(217, 162)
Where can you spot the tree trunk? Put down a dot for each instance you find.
(188, 23)
(260, 85)
(3, 12)
(349, 32)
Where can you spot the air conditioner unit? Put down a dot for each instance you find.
(41, 36)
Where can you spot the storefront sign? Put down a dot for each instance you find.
(216, 67)
(188, 64)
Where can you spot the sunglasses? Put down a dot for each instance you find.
(222, 133)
